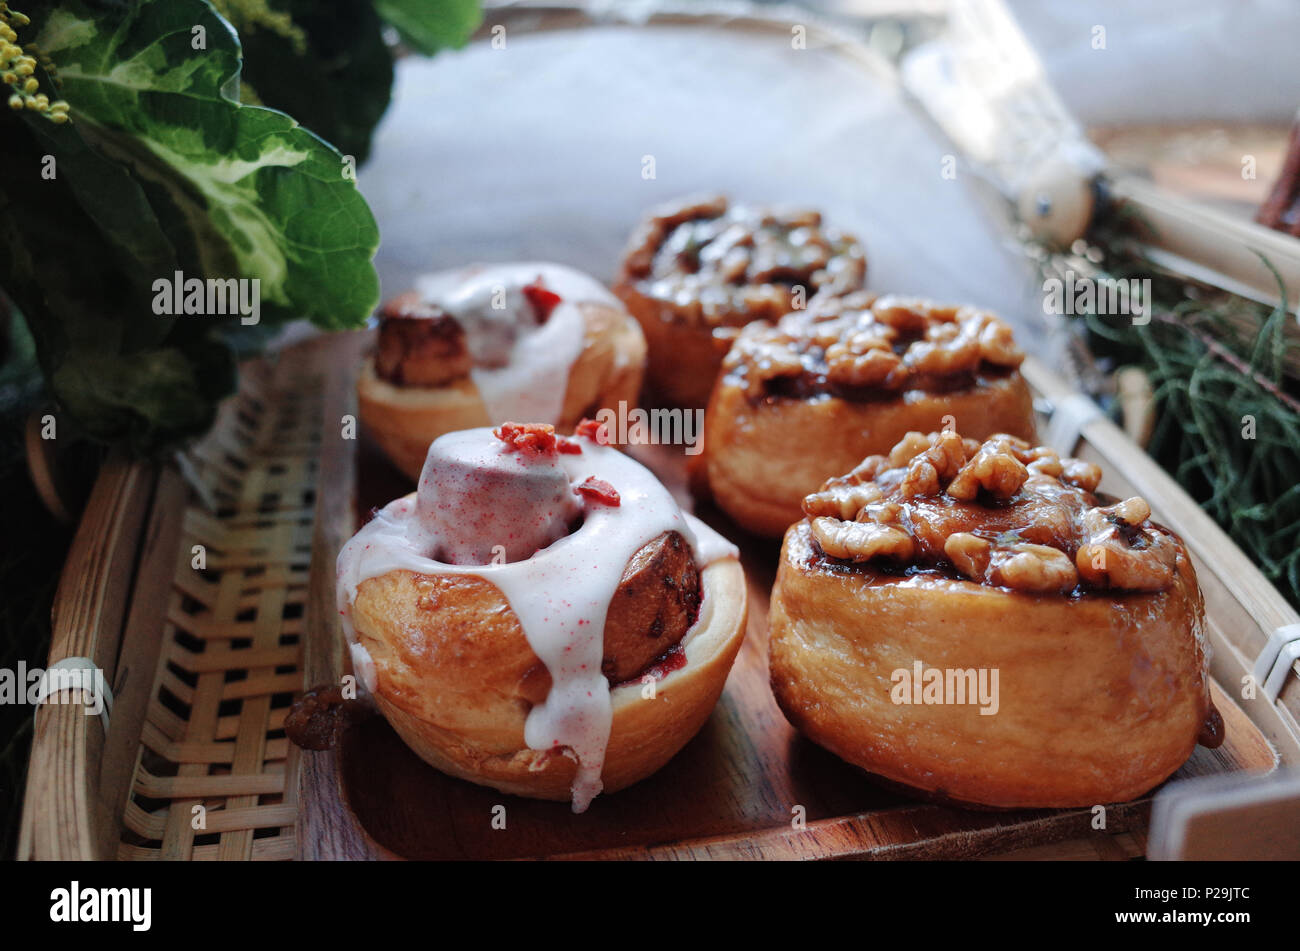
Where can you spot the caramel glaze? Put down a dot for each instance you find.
(657, 601)
(813, 384)
(1047, 514)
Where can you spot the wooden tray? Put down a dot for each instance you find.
(733, 791)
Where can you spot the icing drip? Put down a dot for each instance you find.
(521, 365)
(560, 593)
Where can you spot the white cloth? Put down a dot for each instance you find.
(536, 152)
(1169, 60)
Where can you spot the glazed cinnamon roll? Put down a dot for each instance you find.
(481, 345)
(540, 616)
(809, 397)
(699, 269)
(972, 620)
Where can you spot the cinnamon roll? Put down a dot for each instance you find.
(808, 397)
(481, 345)
(699, 269)
(972, 620)
(540, 616)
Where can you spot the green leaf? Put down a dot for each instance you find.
(151, 87)
(431, 25)
(161, 170)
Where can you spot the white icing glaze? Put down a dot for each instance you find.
(561, 593)
(521, 369)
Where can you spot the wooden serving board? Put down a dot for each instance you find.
(735, 791)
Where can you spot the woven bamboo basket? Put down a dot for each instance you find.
(204, 662)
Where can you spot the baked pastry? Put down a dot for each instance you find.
(973, 621)
(811, 396)
(699, 269)
(508, 616)
(481, 345)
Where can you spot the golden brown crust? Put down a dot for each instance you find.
(763, 457)
(698, 269)
(1100, 697)
(456, 679)
(404, 420)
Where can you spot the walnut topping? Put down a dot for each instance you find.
(1122, 550)
(709, 262)
(1001, 512)
(1083, 474)
(863, 359)
(858, 343)
(998, 343)
(993, 469)
(931, 468)
(861, 541)
(771, 361)
(1027, 567)
(842, 501)
(1019, 565)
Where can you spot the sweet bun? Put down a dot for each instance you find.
(508, 618)
(811, 396)
(699, 269)
(559, 348)
(972, 621)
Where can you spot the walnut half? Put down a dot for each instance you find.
(1121, 549)
(1018, 565)
(861, 541)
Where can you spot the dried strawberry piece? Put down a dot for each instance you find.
(527, 437)
(567, 446)
(599, 490)
(543, 300)
(593, 430)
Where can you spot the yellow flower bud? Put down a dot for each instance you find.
(9, 77)
(24, 69)
(42, 101)
(31, 85)
(30, 103)
(15, 101)
(58, 118)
